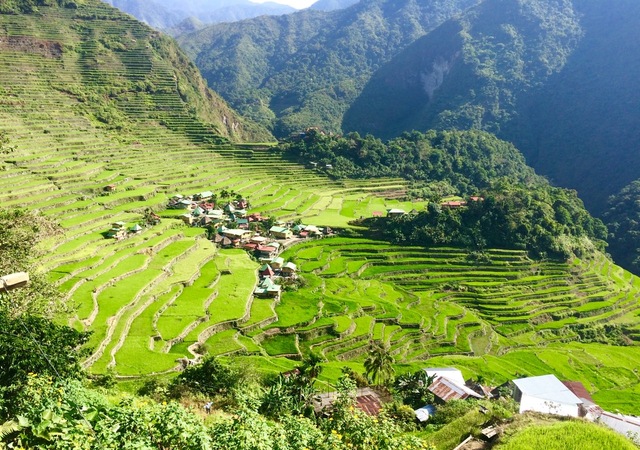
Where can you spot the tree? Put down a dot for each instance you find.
(210, 377)
(5, 148)
(35, 345)
(623, 220)
(379, 364)
(20, 233)
(413, 388)
(291, 394)
(311, 367)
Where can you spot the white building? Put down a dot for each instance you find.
(546, 394)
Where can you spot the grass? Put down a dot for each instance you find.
(280, 344)
(566, 435)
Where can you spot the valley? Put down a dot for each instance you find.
(104, 122)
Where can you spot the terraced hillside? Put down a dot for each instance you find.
(427, 302)
(77, 122)
(80, 116)
(497, 316)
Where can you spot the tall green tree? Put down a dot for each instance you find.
(623, 220)
(32, 345)
(209, 377)
(379, 364)
(413, 388)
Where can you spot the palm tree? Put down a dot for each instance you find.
(379, 364)
(311, 366)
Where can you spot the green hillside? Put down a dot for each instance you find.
(64, 138)
(305, 69)
(73, 123)
(548, 76)
(113, 75)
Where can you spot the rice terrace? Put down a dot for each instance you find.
(102, 131)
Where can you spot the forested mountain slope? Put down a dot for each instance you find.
(557, 78)
(305, 69)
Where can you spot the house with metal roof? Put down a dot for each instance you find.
(366, 399)
(281, 232)
(277, 263)
(267, 288)
(394, 212)
(546, 394)
(446, 390)
(235, 233)
(289, 269)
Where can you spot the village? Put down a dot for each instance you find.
(229, 225)
(544, 394)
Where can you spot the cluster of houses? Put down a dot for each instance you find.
(120, 231)
(203, 209)
(264, 247)
(271, 271)
(544, 394)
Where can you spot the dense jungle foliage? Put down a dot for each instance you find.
(520, 211)
(623, 220)
(443, 162)
(548, 222)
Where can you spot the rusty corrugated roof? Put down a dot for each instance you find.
(579, 390)
(447, 390)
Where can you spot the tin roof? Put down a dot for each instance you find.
(366, 400)
(451, 373)
(546, 387)
(579, 390)
(447, 390)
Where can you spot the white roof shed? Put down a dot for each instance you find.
(546, 394)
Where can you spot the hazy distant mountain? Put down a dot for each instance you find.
(306, 68)
(171, 14)
(149, 12)
(330, 5)
(558, 78)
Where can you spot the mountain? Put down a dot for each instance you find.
(556, 78)
(303, 69)
(168, 15)
(123, 74)
(330, 5)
